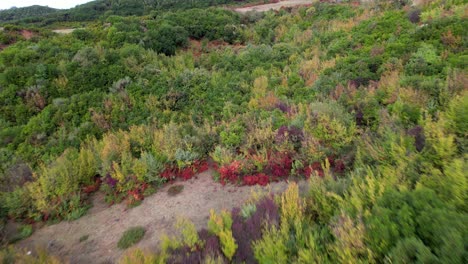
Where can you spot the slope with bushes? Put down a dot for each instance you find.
(367, 101)
(98, 9)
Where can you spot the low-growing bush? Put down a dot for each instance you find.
(131, 237)
(22, 232)
(17, 204)
(175, 190)
(83, 238)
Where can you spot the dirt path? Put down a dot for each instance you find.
(64, 30)
(157, 213)
(274, 6)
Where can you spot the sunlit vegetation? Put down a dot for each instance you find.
(366, 101)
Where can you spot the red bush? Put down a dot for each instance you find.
(249, 180)
(137, 193)
(172, 172)
(307, 172)
(280, 165)
(200, 166)
(230, 173)
(260, 179)
(186, 173)
(93, 188)
(169, 173)
(315, 167)
(339, 166)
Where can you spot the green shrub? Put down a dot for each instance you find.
(17, 204)
(63, 177)
(248, 209)
(457, 115)
(23, 231)
(189, 232)
(233, 135)
(411, 250)
(271, 248)
(166, 39)
(72, 208)
(131, 237)
(220, 225)
(147, 169)
(425, 61)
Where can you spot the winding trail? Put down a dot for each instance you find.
(64, 30)
(157, 214)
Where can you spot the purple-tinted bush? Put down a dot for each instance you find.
(359, 116)
(283, 107)
(246, 231)
(419, 139)
(204, 234)
(268, 211)
(212, 246)
(110, 181)
(291, 134)
(243, 239)
(184, 255)
(414, 16)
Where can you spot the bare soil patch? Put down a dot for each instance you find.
(27, 34)
(273, 6)
(64, 30)
(197, 49)
(104, 225)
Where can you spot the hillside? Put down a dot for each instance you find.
(42, 16)
(136, 124)
(25, 13)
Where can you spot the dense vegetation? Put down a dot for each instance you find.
(25, 12)
(93, 10)
(369, 102)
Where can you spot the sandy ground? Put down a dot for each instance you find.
(64, 30)
(275, 6)
(157, 214)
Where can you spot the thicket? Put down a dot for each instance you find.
(100, 9)
(368, 102)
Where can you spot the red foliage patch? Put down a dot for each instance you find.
(314, 168)
(186, 173)
(173, 172)
(137, 193)
(278, 168)
(280, 165)
(201, 166)
(169, 173)
(230, 173)
(94, 187)
(260, 179)
(339, 166)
